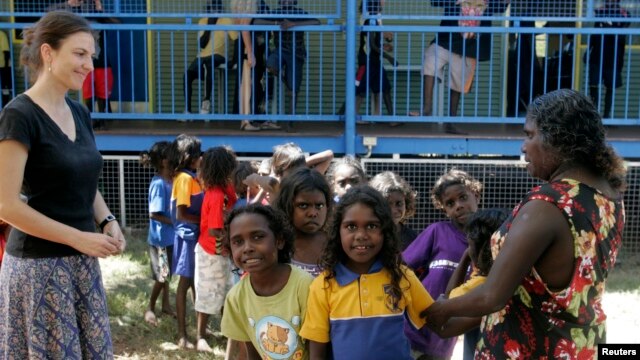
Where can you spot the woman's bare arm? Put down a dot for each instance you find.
(537, 226)
(13, 159)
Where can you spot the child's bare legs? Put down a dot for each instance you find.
(201, 344)
(158, 287)
(429, 81)
(236, 350)
(608, 100)
(454, 100)
(166, 304)
(181, 307)
(245, 89)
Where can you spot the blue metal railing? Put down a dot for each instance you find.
(149, 61)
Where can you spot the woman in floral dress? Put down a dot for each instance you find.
(543, 296)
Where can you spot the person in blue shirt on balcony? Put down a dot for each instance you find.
(212, 54)
(605, 57)
(461, 51)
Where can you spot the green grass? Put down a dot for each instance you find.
(128, 284)
(625, 276)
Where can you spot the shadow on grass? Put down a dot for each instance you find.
(127, 280)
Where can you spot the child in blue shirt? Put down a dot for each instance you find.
(161, 234)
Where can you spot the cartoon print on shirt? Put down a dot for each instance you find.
(276, 337)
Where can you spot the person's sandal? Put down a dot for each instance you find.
(452, 129)
(246, 125)
(269, 125)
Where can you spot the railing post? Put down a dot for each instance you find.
(350, 110)
(590, 10)
(123, 211)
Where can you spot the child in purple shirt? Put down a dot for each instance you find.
(435, 253)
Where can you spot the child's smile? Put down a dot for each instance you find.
(361, 237)
(253, 245)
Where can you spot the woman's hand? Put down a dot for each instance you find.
(435, 314)
(98, 245)
(113, 229)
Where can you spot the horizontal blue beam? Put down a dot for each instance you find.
(240, 143)
(470, 146)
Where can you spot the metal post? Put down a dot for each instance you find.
(123, 211)
(590, 10)
(350, 110)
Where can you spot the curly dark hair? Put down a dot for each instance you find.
(390, 254)
(479, 228)
(278, 225)
(303, 179)
(242, 171)
(572, 125)
(347, 160)
(184, 150)
(217, 166)
(285, 157)
(387, 182)
(451, 178)
(154, 156)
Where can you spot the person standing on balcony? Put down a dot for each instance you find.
(460, 50)
(605, 57)
(47, 148)
(290, 52)
(248, 61)
(213, 51)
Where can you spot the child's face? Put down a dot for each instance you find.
(459, 203)
(344, 178)
(254, 247)
(309, 211)
(397, 205)
(196, 163)
(361, 237)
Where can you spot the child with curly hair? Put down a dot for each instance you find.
(212, 277)
(365, 292)
(435, 253)
(186, 204)
(161, 234)
(305, 199)
(402, 201)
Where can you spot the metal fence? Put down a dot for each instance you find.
(124, 185)
(534, 47)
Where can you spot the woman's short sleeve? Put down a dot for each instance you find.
(15, 125)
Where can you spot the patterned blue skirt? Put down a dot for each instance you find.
(53, 308)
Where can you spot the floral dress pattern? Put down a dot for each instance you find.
(538, 323)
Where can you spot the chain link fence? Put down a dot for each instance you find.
(124, 185)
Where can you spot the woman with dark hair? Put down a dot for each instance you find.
(52, 300)
(543, 295)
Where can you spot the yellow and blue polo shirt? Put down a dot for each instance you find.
(186, 191)
(356, 314)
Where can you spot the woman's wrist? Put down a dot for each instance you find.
(108, 228)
